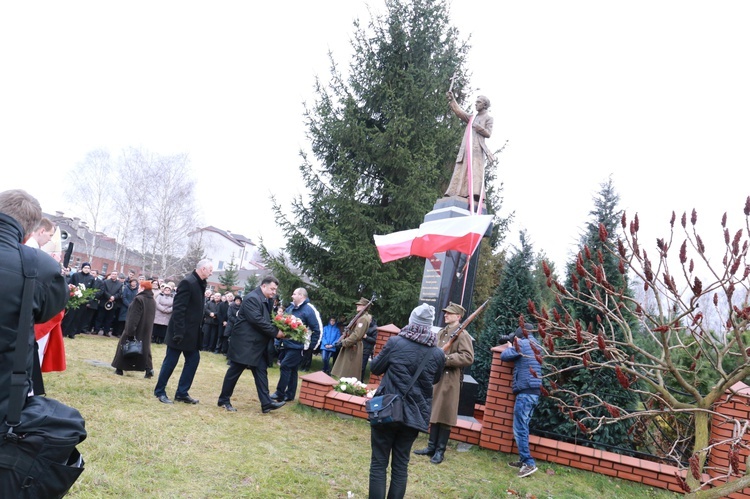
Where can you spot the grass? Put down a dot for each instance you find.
(138, 447)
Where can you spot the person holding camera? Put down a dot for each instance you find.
(522, 349)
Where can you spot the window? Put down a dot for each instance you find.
(221, 265)
(105, 266)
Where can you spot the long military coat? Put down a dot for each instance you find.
(446, 393)
(349, 362)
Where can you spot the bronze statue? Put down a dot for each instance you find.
(481, 129)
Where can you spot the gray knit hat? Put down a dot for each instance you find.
(423, 315)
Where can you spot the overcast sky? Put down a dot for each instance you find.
(652, 93)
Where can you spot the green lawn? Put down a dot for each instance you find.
(138, 447)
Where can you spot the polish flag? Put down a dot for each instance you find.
(462, 234)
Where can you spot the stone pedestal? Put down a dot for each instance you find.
(446, 277)
(468, 396)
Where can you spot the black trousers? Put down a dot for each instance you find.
(392, 443)
(260, 373)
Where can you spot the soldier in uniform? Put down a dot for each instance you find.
(349, 361)
(446, 393)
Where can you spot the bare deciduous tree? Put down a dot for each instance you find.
(91, 193)
(665, 348)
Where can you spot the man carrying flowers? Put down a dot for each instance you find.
(292, 346)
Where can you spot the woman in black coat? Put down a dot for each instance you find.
(398, 362)
(138, 324)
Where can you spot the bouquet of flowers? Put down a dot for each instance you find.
(291, 326)
(79, 295)
(352, 386)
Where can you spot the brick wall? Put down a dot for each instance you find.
(494, 428)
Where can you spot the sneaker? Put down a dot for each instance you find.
(526, 470)
(516, 464)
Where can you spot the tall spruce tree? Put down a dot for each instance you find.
(383, 144)
(229, 278)
(510, 301)
(577, 379)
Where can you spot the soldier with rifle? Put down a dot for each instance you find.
(459, 353)
(349, 361)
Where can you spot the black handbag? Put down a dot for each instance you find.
(132, 348)
(38, 438)
(388, 408)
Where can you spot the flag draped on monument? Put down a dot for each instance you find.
(462, 234)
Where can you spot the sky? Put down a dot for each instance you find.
(652, 94)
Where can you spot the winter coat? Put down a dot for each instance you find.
(446, 394)
(128, 295)
(331, 334)
(139, 325)
(231, 318)
(369, 340)
(90, 282)
(208, 321)
(253, 332)
(397, 362)
(222, 316)
(349, 362)
(310, 317)
(49, 298)
(184, 329)
(163, 308)
(109, 289)
(524, 362)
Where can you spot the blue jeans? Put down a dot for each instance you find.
(192, 358)
(522, 411)
(392, 443)
(327, 355)
(289, 363)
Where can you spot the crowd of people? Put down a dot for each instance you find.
(421, 365)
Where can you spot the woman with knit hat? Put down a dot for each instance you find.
(398, 362)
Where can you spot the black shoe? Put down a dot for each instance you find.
(272, 407)
(149, 374)
(164, 399)
(288, 400)
(275, 397)
(427, 451)
(228, 407)
(118, 372)
(187, 399)
(437, 458)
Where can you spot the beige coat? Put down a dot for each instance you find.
(446, 393)
(349, 362)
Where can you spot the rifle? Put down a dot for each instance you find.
(464, 325)
(355, 319)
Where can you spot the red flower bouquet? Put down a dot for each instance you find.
(291, 326)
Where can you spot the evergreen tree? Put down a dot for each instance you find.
(501, 318)
(384, 143)
(251, 283)
(577, 379)
(229, 278)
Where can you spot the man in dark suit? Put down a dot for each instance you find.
(249, 343)
(184, 334)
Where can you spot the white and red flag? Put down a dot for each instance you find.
(461, 234)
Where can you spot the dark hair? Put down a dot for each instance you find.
(269, 279)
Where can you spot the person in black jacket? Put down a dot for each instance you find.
(184, 334)
(20, 213)
(398, 362)
(368, 346)
(252, 335)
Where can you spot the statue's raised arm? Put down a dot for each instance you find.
(468, 174)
